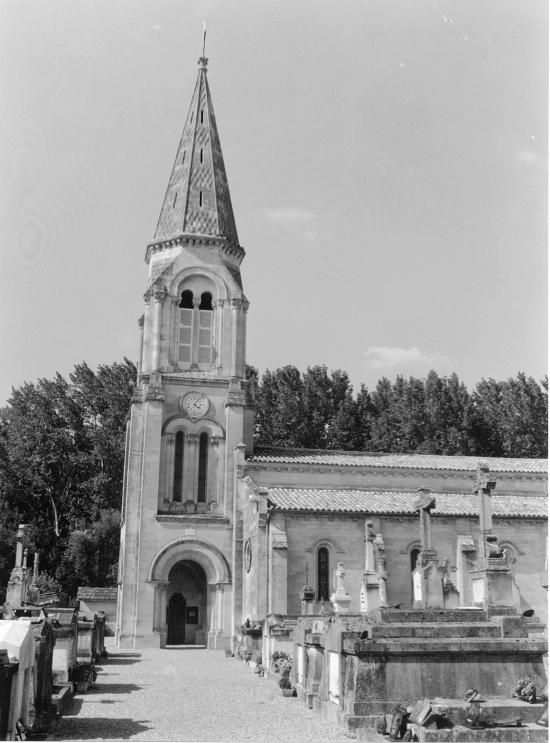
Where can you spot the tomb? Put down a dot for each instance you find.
(64, 623)
(17, 640)
(44, 642)
(94, 599)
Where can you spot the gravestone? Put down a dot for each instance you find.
(307, 595)
(16, 592)
(427, 577)
(491, 578)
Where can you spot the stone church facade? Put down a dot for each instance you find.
(214, 531)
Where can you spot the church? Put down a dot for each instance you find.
(216, 531)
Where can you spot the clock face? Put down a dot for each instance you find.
(195, 404)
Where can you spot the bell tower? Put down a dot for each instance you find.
(189, 419)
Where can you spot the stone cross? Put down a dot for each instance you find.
(424, 504)
(370, 562)
(483, 488)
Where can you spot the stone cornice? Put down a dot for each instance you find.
(208, 241)
(194, 519)
(179, 378)
(403, 471)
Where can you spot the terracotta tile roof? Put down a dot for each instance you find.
(94, 593)
(273, 455)
(363, 501)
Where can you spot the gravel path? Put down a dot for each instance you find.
(188, 695)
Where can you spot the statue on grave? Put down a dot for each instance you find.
(340, 599)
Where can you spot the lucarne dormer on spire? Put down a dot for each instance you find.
(197, 200)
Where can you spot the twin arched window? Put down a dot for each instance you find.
(201, 474)
(195, 329)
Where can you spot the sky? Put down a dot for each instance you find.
(387, 162)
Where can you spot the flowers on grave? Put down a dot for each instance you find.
(85, 675)
(281, 662)
(525, 689)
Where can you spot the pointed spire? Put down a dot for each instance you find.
(197, 200)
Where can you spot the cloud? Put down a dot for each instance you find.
(526, 156)
(392, 357)
(289, 216)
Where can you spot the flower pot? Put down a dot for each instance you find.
(82, 686)
(288, 692)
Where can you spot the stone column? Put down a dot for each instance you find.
(141, 322)
(219, 332)
(235, 317)
(157, 322)
(160, 603)
(170, 451)
(219, 607)
(145, 359)
(195, 334)
(191, 468)
(213, 470)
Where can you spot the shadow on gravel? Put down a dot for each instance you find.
(117, 660)
(101, 728)
(105, 688)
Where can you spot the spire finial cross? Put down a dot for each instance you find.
(204, 39)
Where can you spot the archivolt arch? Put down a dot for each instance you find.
(209, 557)
(176, 285)
(179, 423)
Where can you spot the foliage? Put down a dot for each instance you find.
(61, 464)
(434, 415)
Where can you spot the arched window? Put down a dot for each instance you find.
(322, 574)
(178, 468)
(185, 341)
(414, 557)
(203, 468)
(205, 328)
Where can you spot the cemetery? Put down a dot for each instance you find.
(47, 653)
(452, 666)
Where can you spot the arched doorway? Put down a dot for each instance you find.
(186, 616)
(200, 572)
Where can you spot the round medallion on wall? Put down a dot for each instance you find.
(247, 550)
(195, 404)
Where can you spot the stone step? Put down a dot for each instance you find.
(522, 734)
(61, 696)
(430, 630)
(400, 616)
(503, 708)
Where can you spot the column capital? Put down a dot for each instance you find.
(220, 302)
(141, 321)
(147, 296)
(159, 294)
(236, 302)
(215, 441)
(192, 439)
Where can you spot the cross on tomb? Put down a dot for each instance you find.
(483, 488)
(424, 504)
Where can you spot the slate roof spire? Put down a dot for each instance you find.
(197, 200)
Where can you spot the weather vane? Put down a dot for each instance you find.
(204, 39)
